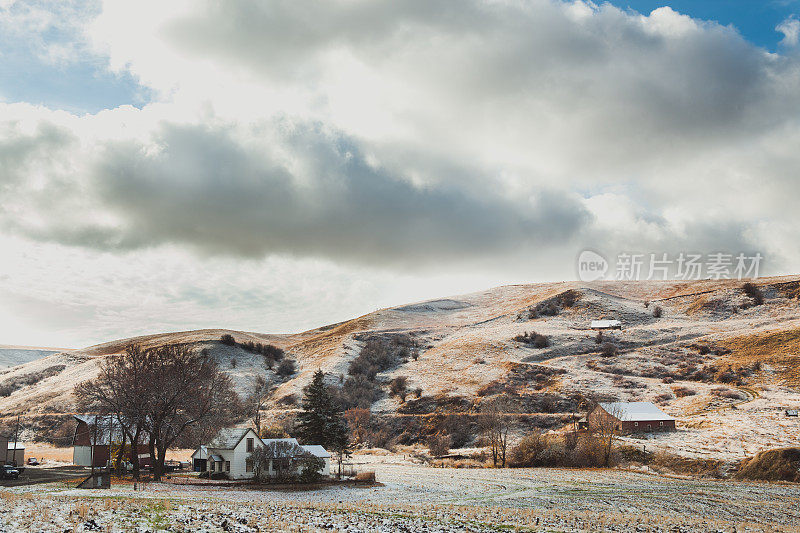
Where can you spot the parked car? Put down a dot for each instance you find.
(33, 461)
(9, 472)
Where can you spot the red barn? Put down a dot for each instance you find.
(94, 438)
(631, 417)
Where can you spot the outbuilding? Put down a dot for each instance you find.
(95, 435)
(200, 459)
(605, 324)
(15, 454)
(630, 417)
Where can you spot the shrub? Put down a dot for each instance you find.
(687, 466)
(234, 363)
(608, 349)
(439, 444)
(376, 356)
(657, 311)
(365, 477)
(286, 367)
(533, 339)
(682, 392)
(725, 392)
(568, 298)
(663, 397)
(598, 339)
(227, 340)
(399, 387)
(754, 293)
(17, 382)
(418, 392)
(569, 450)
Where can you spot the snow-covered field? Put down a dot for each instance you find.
(419, 498)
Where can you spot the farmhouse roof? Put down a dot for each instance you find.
(635, 411)
(317, 450)
(108, 429)
(228, 438)
(200, 453)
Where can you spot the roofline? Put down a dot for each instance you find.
(664, 416)
(237, 442)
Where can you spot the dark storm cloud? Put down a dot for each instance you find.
(207, 189)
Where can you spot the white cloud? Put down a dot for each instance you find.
(790, 28)
(489, 138)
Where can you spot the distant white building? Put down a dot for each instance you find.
(606, 324)
(230, 450)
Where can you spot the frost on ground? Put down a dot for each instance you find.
(419, 498)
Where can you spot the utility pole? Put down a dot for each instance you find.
(16, 435)
(93, 442)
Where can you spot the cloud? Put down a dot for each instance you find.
(790, 28)
(414, 132)
(303, 190)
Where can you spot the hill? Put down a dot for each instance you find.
(713, 347)
(18, 355)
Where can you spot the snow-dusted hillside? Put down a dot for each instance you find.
(466, 345)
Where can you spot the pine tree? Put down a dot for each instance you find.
(320, 422)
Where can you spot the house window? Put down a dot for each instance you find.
(248, 465)
(227, 466)
(212, 463)
(661, 423)
(636, 424)
(249, 445)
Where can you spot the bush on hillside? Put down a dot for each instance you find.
(286, 367)
(15, 383)
(608, 349)
(533, 339)
(681, 391)
(755, 294)
(399, 387)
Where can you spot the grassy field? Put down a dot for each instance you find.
(419, 498)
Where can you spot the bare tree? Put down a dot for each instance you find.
(605, 421)
(120, 391)
(256, 402)
(494, 423)
(162, 393)
(186, 390)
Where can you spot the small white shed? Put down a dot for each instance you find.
(606, 324)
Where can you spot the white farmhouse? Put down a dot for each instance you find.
(230, 450)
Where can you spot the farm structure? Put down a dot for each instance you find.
(630, 417)
(96, 436)
(230, 453)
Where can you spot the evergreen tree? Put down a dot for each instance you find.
(320, 422)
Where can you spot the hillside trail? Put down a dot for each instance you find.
(750, 393)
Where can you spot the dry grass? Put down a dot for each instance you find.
(778, 349)
(772, 465)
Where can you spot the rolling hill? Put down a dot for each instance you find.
(713, 347)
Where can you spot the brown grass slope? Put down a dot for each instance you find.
(466, 341)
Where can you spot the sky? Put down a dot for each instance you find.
(274, 165)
